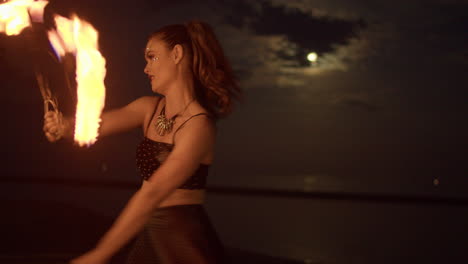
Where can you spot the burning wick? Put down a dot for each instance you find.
(80, 38)
(14, 15)
(74, 36)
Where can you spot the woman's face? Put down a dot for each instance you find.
(159, 66)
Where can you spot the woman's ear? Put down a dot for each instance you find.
(177, 53)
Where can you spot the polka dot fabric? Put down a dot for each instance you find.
(151, 154)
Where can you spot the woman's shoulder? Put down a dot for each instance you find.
(200, 115)
(198, 121)
(197, 129)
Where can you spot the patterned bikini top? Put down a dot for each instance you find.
(151, 154)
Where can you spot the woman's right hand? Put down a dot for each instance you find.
(55, 126)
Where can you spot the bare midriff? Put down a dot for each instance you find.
(183, 196)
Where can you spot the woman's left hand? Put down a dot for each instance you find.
(91, 257)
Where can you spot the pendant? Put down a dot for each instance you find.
(164, 125)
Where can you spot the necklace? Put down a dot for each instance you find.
(165, 125)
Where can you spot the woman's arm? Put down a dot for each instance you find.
(113, 121)
(127, 117)
(194, 143)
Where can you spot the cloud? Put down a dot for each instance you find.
(271, 50)
(259, 56)
(265, 56)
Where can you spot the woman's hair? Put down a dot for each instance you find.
(215, 84)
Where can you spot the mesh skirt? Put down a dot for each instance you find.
(177, 234)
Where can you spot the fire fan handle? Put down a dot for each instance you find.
(50, 102)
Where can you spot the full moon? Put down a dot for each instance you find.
(312, 57)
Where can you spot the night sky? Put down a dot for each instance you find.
(383, 110)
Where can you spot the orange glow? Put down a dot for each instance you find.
(73, 36)
(56, 42)
(14, 15)
(80, 37)
(66, 31)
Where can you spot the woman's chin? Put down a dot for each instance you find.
(154, 88)
(158, 89)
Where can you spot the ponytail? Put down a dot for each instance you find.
(216, 86)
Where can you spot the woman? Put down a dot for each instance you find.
(165, 217)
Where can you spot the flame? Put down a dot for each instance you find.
(67, 31)
(14, 15)
(73, 36)
(80, 37)
(56, 43)
(62, 40)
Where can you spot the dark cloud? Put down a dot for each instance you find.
(305, 31)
